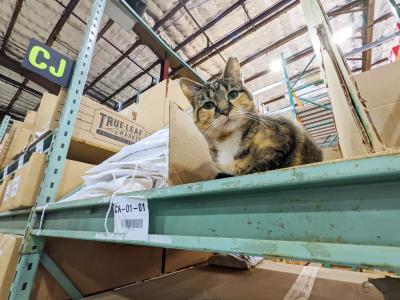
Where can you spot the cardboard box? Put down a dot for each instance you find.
(95, 267)
(176, 259)
(7, 142)
(96, 125)
(268, 281)
(3, 187)
(331, 153)
(9, 247)
(21, 139)
(23, 185)
(21, 188)
(189, 157)
(152, 110)
(29, 121)
(380, 88)
(72, 177)
(3, 142)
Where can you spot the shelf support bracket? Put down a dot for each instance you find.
(60, 276)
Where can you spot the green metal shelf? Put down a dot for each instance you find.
(341, 212)
(332, 212)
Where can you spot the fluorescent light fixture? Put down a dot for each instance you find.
(342, 34)
(276, 65)
(269, 87)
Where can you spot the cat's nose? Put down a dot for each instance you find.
(224, 111)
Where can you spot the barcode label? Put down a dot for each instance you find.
(131, 217)
(132, 223)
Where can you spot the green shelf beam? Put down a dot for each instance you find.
(153, 38)
(312, 101)
(334, 212)
(304, 71)
(286, 79)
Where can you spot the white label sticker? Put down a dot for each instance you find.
(20, 161)
(39, 146)
(15, 185)
(7, 192)
(131, 217)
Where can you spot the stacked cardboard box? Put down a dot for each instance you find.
(19, 190)
(94, 267)
(9, 247)
(16, 140)
(383, 100)
(99, 131)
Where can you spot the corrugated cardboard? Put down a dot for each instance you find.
(270, 281)
(96, 124)
(380, 88)
(189, 157)
(3, 142)
(22, 137)
(176, 259)
(96, 267)
(331, 153)
(72, 177)
(3, 187)
(153, 107)
(23, 186)
(9, 246)
(7, 142)
(29, 121)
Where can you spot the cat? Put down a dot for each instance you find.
(240, 140)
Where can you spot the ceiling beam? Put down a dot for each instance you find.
(50, 40)
(17, 84)
(184, 42)
(269, 48)
(14, 17)
(297, 56)
(367, 33)
(209, 42)
(244, 30)
(345, 8)
(16, 67)
(105, 28)
(157, 26)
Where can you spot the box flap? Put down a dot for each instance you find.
(189, 156)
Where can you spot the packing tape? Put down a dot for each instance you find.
(302, 287)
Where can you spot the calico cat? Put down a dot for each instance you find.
(240, 140)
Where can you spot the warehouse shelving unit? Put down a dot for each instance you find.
(339, 212)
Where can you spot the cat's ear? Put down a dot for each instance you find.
(189, 88)
(232, 69)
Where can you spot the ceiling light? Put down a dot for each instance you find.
(276, 65)
(342, 34)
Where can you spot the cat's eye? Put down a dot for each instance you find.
(208, 105)
(232, 95)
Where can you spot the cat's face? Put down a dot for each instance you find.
(221, 106)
